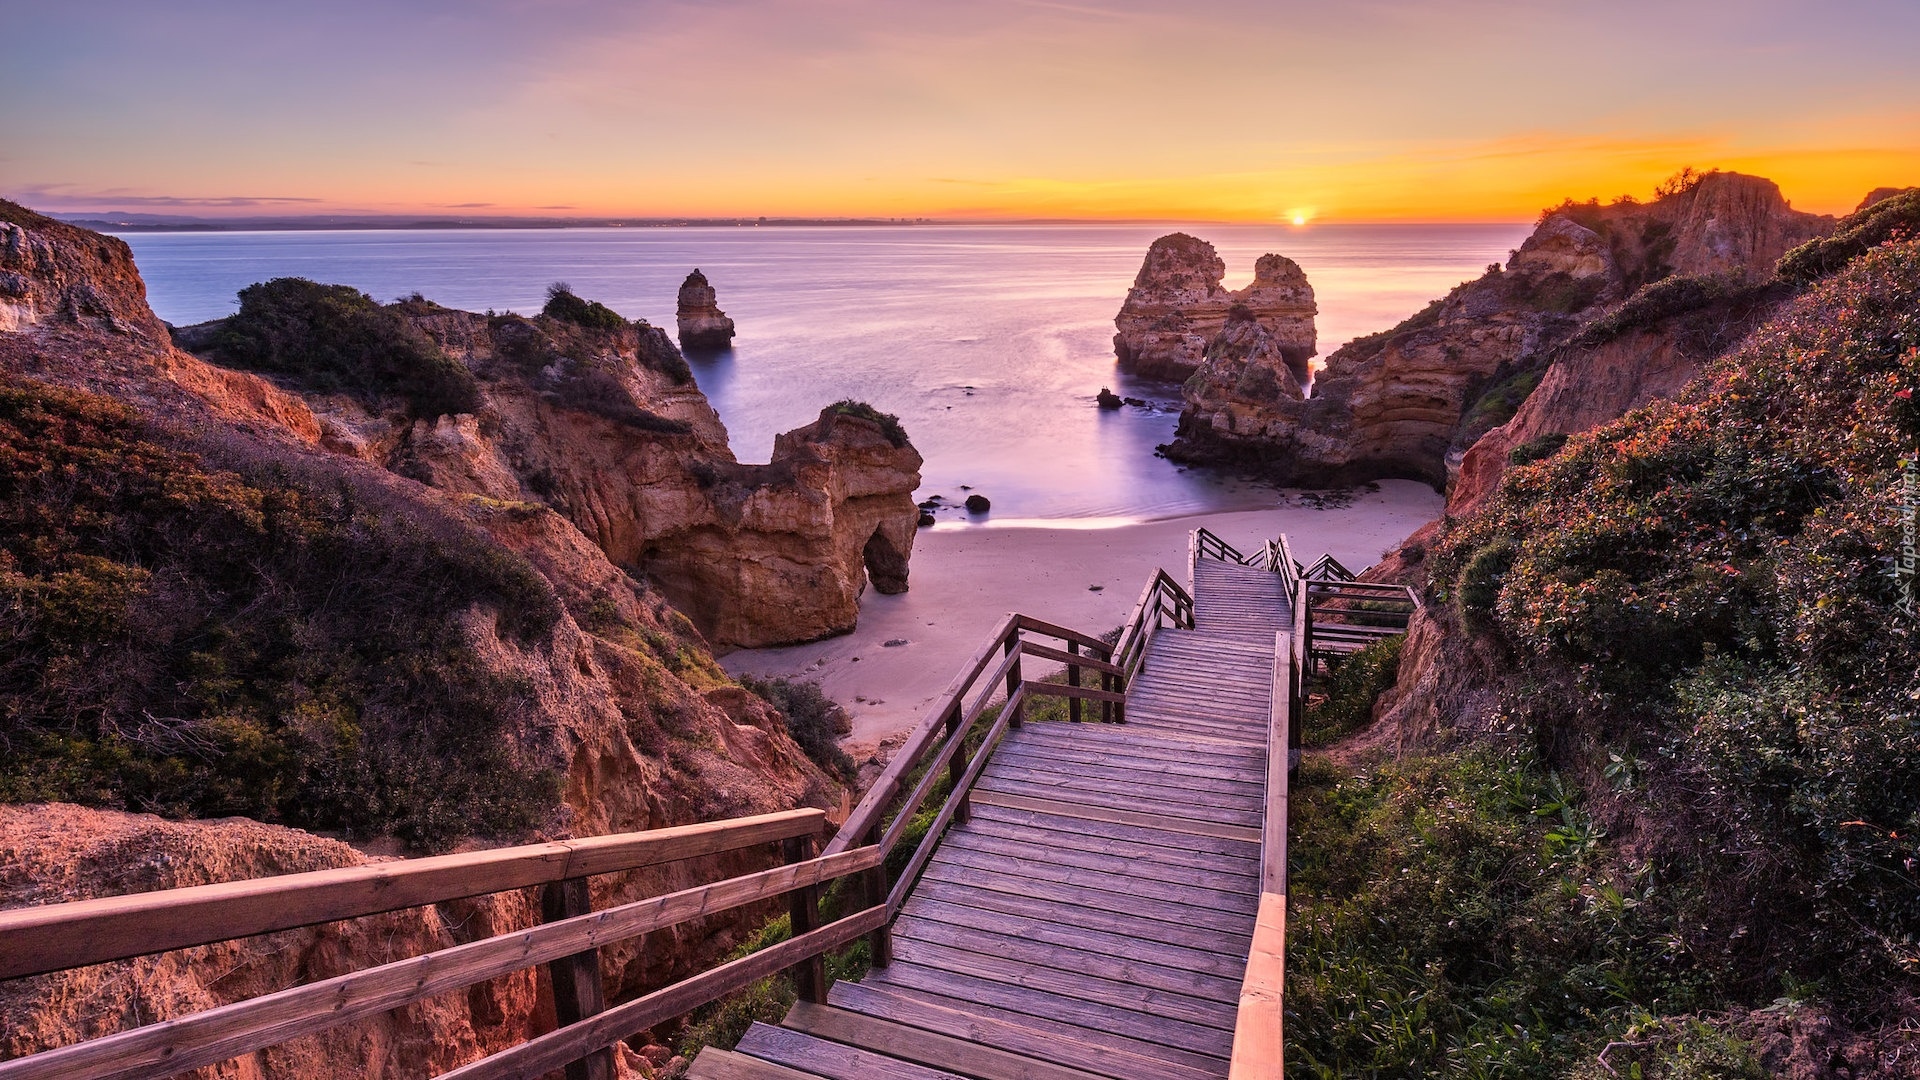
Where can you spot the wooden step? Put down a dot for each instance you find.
(933, 1049)
(832, 1060)
(714, 1063)
(1039, 1037)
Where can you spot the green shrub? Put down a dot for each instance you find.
(1497, 404)
(889, 423)
(810, 717)
(1349, 691)
(1535, 449)
(195, 642)
(1893, 218)
(603, 395)
(1673, 297)
(563, 305)
(336, 339)
(1454, 915)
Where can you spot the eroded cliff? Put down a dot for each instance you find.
(217, 607)
(601, 420)
(1407, 402)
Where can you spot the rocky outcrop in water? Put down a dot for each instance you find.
(1409, 402)
(703, 326)
(1177, 305)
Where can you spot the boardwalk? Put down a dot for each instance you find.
(1092, 918)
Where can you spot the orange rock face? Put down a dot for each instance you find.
(1177, 305)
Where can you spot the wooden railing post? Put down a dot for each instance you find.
(880, 942)
(577, 991)
(803, 910)
(1073, 679)
(1013, 681)
(958, 766)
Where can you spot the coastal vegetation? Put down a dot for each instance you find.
(563, 305)
(1679, 842)
(337, 339)
(204, 641)
(890, 425)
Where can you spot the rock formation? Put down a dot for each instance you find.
(1409, 401)
(608, 428)
(1177, 305)
(703, 326)
(610, 694)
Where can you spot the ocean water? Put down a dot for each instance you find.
(988, 341)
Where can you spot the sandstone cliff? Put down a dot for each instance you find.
(604, 424)
(703, 326)
(1409, 401)
(217, 607)
(1177, 305)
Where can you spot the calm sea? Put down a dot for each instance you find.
(989, 342)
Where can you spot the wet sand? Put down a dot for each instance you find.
(964, 578)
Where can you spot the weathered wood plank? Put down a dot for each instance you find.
(1257, 1043)
(1069, 910)
(835, 1061)
(1243, 903)
(1070, 960)
(1223, 873)
(922, 1047)
(1104, 762)
(1175, 859)
(52, 937)
(1104, 1052)
(1141, 783)
(717, 1064)
(1056, 982)
(1108, 1056)
(1167, 911)
(1224, 831)
(1153, 833)
(1138, 803)
(1038, 1005)
(1120, 946)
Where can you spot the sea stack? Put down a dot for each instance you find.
(703, 326)
(1177, 306)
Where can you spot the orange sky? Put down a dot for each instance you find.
(1352, 111)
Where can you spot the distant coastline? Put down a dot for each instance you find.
(118, 223)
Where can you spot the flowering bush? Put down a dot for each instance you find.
(1710, 577)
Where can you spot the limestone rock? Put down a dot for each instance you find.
(703, 326)
(1410, 401)
(1177, 305)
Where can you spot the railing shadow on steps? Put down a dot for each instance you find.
(57, 937)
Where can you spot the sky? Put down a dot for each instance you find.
(1328, 110)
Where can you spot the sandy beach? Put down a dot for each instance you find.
(965, 577)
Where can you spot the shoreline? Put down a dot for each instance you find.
(963, 580)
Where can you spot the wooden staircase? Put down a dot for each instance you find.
(1093, 917)
(1076, 901)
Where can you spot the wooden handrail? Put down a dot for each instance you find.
(1258, 1048)
(873, 805)
(1026, 622)
(955, 799)
(1204, 541)
(216, 1035)
(537, 1057)
(54, 937)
